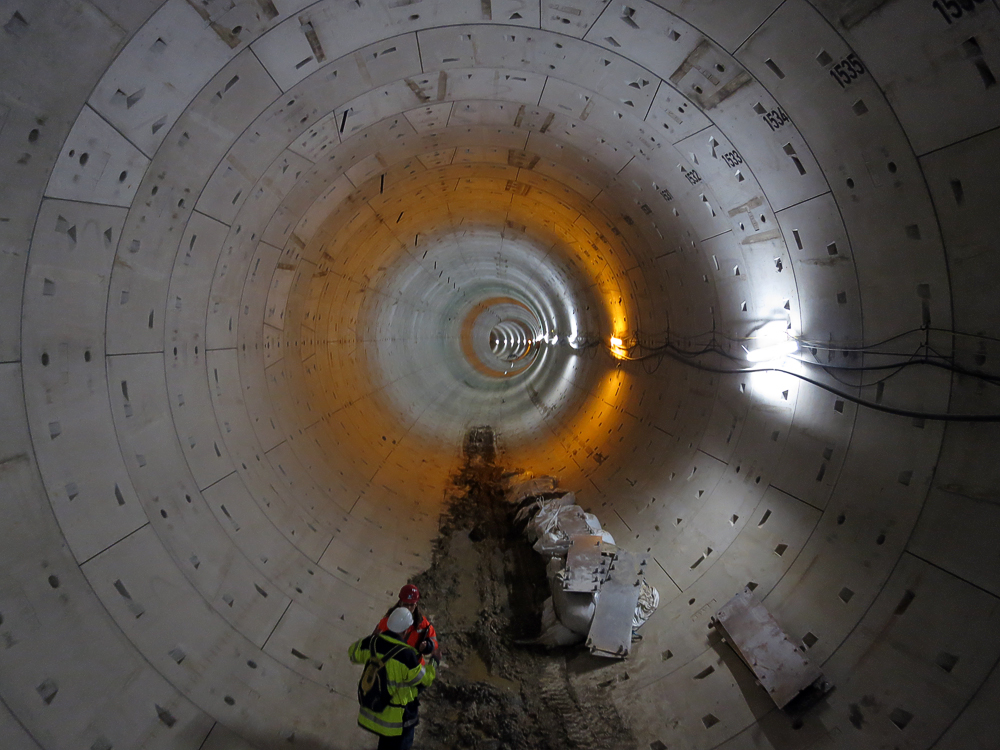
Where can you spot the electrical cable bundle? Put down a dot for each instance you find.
(924, 355)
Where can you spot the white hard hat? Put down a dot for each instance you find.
(400, 619)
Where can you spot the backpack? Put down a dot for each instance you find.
(373, 687)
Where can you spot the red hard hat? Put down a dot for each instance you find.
(409, 594)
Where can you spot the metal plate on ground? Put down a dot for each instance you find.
(611, 631)
(775, 659)
(573, 522)
(586, 564)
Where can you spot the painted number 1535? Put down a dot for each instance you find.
(847, 71)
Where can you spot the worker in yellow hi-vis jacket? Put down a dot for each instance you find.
(395, 674)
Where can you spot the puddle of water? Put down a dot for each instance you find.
(474, 669)
(464, 607)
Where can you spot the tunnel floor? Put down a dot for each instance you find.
(484, 593)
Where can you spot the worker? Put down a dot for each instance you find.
(401, 675)
(422, 635)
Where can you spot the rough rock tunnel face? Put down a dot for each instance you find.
(264, 262)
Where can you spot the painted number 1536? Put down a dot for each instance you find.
(954, 8)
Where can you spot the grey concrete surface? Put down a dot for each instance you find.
(250, 255)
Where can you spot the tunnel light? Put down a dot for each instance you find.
(772, 330)
(776, 351)
(773, 387)
(618, 350)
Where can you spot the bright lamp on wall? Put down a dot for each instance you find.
(774, 351)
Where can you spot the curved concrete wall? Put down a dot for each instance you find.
(250, 250)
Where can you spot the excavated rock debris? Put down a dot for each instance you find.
(483, 592)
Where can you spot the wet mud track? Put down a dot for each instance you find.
(483, 592)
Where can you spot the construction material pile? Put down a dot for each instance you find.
(599, 592)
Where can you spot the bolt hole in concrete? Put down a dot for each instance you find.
(484, 591)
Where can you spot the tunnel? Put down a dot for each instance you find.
(725, 268)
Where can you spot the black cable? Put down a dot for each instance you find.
(884, 379)
(861, 368)
(687, 356)
(944, 365)
(945, 362)
(866, 348)
(835, 391)
(891, 409)
(825, 346)
(647, 370)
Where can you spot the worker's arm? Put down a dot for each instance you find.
(430, 673)
(360, 650)
(421, 676)
(427, 643)
(432, 635)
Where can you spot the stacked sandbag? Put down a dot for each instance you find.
(649, 600)
(553, 523)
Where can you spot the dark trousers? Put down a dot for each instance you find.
(402, 742)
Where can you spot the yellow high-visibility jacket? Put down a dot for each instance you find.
(407, 674)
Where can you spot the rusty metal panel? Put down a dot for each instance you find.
(776, 660)
(611, 631)
(587, 563)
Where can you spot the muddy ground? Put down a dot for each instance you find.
(483, 592)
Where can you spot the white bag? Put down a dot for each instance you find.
(574, 610)
(554, 633)
(649, 600)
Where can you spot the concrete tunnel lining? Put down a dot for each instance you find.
(219, 444)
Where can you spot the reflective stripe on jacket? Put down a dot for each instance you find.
(407, 675)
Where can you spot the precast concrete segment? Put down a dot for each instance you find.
(225, 437)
